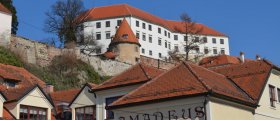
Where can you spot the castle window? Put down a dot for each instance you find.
(168, 34)
(165, 33)
(143, 25)
(98, 24)
(204, 39)
(98, 36)
(176, 48)
(137, 23)
(136, 49)
(143, 50)
(159, 30)
(206, 51)
(159, 41)
(165, 44)
(119, 22)
(150, 27)
(278, 92)
(137, 60)
(223, 51)
(169, 45)
(144, 37)
(175, 37)
(108, 35)
(222, 41)
(125, 36)
(137, 34)
(107, 23)
(215, 51)
(214, 40)
(196, 39)
(150, 52)
(159, 55)
(197, 50)
(150, 38)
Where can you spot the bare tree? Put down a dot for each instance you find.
(89, 45)
(192, 39)
(61, 19)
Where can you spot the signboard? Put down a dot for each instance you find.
(180, 112)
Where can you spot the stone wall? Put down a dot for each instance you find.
(157, 62)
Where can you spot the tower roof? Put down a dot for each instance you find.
(4, 9)
(125, 34)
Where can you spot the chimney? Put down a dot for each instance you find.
(258, 57)
(49, 88)
(242, 57)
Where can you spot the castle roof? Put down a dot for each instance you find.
(125, 34)
(4, 9)
(124, 10)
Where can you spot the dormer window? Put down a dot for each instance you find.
(10, 83)
(125, 36)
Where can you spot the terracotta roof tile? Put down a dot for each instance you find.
(123, 10)
(250, 76)
(125, 34)
(64, 95)
(109, 55)
(137, 74)
(14, 94)
(4, 9)
(220, 60)
(7, 115)
(186, 79)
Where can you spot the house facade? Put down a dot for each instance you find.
(156, 35)
(5, 25)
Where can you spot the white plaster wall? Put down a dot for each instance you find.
(175, 106)
(85, 98)
(34, 98)
(265, 111)
(5, 28)
(154, 47)
(102, 95)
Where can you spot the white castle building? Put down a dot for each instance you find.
(156, 36)
(5, 25)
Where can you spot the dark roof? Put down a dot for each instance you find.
(139, 73)
(186, 79)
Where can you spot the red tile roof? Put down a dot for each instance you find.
(137, 74)
(124, 10)
(7, 115)
(125, 34)
(109, 55)
(4, 9)
(220, 60)
(250, 76)
(64, 95)
(186, 79)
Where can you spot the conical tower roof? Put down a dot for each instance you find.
(125, 34)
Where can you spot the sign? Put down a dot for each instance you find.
(177, 113)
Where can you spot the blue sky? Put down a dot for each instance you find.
(252, 25)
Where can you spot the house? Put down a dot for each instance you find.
(156, 36)
(83, 105)
(2, 100)
(61, 100)
(25, 94)
(5, 25)
(112, 89)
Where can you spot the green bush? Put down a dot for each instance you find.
(8, 57)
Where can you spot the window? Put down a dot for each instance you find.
(159, 55)
(150, 38)
(150, 52)
(222, 41)
(108, 24)
(159, 30)
(137, 34)
(223, 51)
(98, 24)
(85, 113)
(215, 51)
(159, 41)
(185, 38)
(108, 35)
(175, 37)
(32, 113)
(165, 33)
(214, 40)
(176, 48)
(196, 39)
(98, 50)
(137, 23)
(144, 37)
(168, 34)
(98, 36)
(204, 39)
(150, 27)
(143, 50)
(10, 83)
(144, 25)
(119, 22)
(169, 45)
(197, 50)
(136, 49)
(125, 36)
(110, 114)
(165, 44)
(272, 95)
(206, 50)
(278, 92)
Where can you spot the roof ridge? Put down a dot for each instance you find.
(145, 73)
(197, 77)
